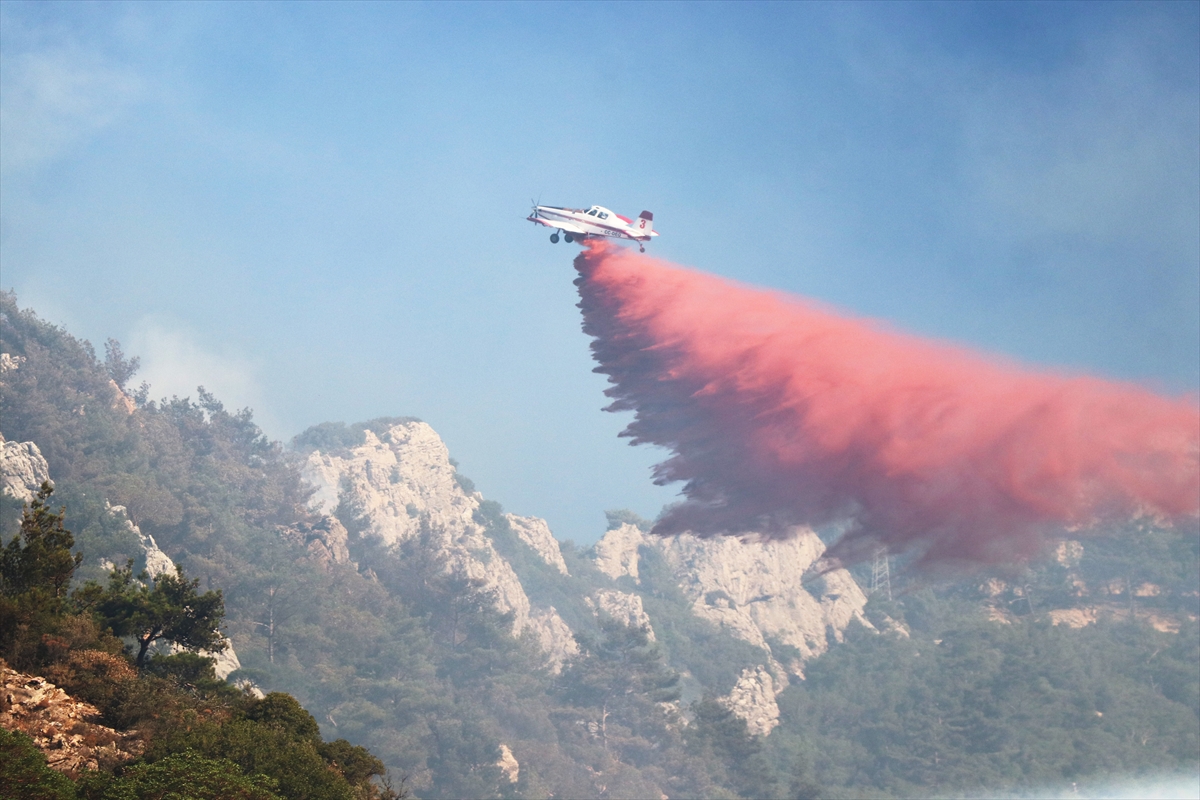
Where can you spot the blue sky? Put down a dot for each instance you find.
(316, 210)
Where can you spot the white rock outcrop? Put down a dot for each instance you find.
(327, 541)
(624, 607)
(157, 562)
(22, 469)
(508, 764)
(1069, 553)
(393, 480)
(331, 544)
(616, 554)
(536, 533)
(752, 588)
(8, 363)
(753, 699)
(553, 636)
(400, 480)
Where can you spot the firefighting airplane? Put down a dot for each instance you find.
(580, 223)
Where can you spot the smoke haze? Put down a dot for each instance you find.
(779, 412)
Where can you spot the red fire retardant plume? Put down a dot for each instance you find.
(778, 412)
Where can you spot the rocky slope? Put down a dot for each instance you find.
(63, 728)
(1110, 598)
(752, 589)
(401, 478)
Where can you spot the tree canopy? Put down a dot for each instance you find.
(169, 608)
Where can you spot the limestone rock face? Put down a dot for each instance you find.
(22, 469)
(624, 607)
(616, 554)
(400, 481)
(536, 533)
(331, 542)
(751, 588)
(121, 400)
(554, 637)
(509, 767)
(65, 729)
(753, 699)
(393, 480)
(1069, 553)
(400, 484)
(157, 562)
(327, 541)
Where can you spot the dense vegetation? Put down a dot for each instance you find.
(197, 731)
(396, 653)
(966, 703)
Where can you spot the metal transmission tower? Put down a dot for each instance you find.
(881, 576)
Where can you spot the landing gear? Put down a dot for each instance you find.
(568, 237)
(642, 248)
(554, 238)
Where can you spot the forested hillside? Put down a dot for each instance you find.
(406, 645)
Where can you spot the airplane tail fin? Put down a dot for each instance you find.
(645, 223)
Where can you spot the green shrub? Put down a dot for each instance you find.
(24, 774)
(183, 776)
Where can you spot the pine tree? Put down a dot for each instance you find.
(35, 572)
(623, 682)
(40, 558)
(172, 610)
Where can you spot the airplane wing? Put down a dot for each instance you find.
(560, 224)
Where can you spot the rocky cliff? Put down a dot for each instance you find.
(536, 534)
(22, 469)
(624, 607)
(750, 588)
(401, 480)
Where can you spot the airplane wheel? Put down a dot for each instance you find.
(642, 248)
(568, 237)
(554, 238)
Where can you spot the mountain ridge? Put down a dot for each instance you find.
(475, 655)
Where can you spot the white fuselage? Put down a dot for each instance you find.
(595, 221)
